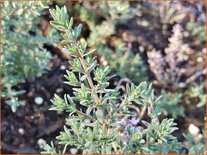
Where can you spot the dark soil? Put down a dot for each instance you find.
(35, 120)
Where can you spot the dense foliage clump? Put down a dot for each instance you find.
(24, 56)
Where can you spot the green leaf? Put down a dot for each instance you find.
(78, 30)
(72, 80)
(70, 23)
(58, 25)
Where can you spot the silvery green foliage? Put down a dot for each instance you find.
(124, 63)
(111, 12)
(113, 126)
(198, 91)
(49, 148)
(170, 104)
(197, 26)
(197, 30)
(197, 144)
(23, 54)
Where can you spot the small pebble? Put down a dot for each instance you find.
(73, 150)
(21, 131)
(186, 33)
(194, 130)
(23, 103)
(39, 100)
(59, 90)
(141, 48)
(145, 23)
(62, 67)
(185, 57)
(199, 59)
(41, 142)
(182, 84)
(199, 137)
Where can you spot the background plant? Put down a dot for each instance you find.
(102, 24)
(170, 102)
(24, 56)
(197, 30)
(199, 92)
(165, 68)
(196, 143)
(124, 62)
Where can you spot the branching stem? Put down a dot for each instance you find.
(89, 79)
(85, 115)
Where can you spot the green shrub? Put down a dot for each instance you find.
(198, 91)
(113, 127)
(124, 62)
(197, 144)
(102, 18)
(23, 53)
(170, 104)
(197, 30)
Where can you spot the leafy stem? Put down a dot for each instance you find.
(85, 115)
(88, 76)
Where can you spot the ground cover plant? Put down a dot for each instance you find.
(24, 56)
(125, 80)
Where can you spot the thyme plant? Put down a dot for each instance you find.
(199, 92)
(23, 54)
(197, 30)
(170, 102)
(124, 62)
(102, 18)
(116, 123)
(197, 144)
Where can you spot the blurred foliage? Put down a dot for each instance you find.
(196, 144)
(198, 31)
(171, 67)
(111, 13)
(198, 91)
(169, 12)
(124, 62)
(23, 53)
(170, 102)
